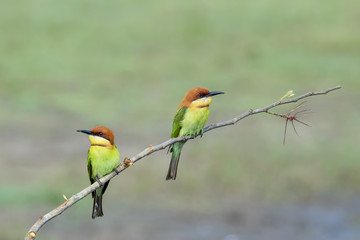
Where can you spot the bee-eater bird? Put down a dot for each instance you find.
(103, 158)
(189, 119)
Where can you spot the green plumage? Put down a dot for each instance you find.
(101, 161)
(187, 121)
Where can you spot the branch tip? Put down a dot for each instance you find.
(289, 94)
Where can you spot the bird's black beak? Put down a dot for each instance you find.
(214, 93)
(86, 132)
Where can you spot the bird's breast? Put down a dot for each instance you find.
(194, 120)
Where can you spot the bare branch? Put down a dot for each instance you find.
(128, 162)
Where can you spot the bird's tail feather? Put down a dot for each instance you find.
(97, 206)
(173, 167)
(175, 157)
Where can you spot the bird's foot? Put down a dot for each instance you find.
(117, 171)
(98, 181)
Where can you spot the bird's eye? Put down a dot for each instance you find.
(100, 133)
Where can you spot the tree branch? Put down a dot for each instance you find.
(128, 162)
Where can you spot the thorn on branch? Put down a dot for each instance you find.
(65, 197)
(63, 204)
(292, 118)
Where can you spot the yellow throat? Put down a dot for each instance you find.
(200, 103)
(99, 141)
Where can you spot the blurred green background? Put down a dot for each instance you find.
(68, 65)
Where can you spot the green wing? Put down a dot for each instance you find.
(177, 123)
(89, 167)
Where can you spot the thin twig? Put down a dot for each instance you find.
(80, 195)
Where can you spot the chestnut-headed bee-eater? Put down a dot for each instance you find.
(103, 158)
(189, 119)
